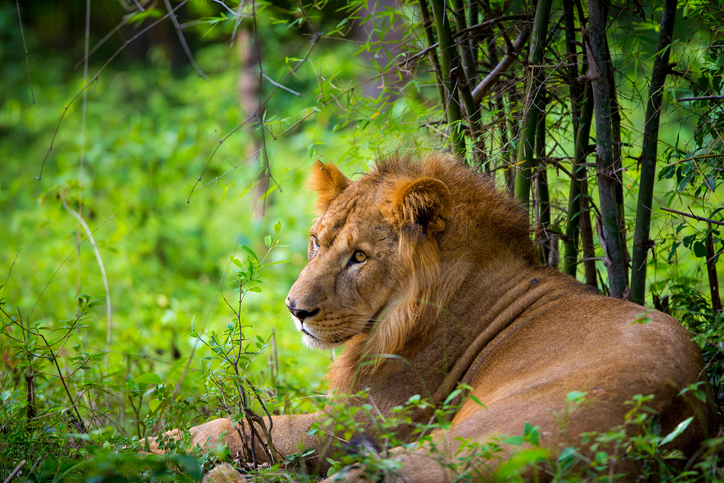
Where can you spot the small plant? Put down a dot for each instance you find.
(246, 404)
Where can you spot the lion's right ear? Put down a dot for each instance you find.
(329, 182)
(424, 202)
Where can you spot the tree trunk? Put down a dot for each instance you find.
(605, 163)
(642, 243)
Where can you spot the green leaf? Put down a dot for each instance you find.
(278, 226)
(235, 261)
(575, 396)
(672, 252)
(478, 402)
(677, 431)
(452, 396)
(642, 319)
(148, 378)
(567, 454)
(254, 289)
(153, 404)
(277, 262)
(531, 434)
(250, 252)
(267, 241)
(514, 440)
(699, 249)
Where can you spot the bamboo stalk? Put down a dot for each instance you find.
(448, 61)
(544, 200)
(711, 259)
(570, 247)
(573, 220)
(526, 143)
(605, 166)
(641, 241)
(586, 228)
(466, 51)
(466, 78)
(431, 48)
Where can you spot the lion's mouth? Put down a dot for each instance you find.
(305, 331)
(337, 339)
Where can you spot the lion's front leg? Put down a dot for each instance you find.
(288, 434)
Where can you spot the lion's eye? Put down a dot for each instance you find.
(315, 243)
(359, 256)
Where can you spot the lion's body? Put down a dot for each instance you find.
(429, 263)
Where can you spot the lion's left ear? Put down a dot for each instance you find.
(329, 182)
(424, 202)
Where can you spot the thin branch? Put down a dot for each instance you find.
(492, 21)
(82, 139)
(27, 63)
(190, 56)
(115, 29)
(700, 218)
(17, 468)
(701, 98)
(694, 158)
(487, 84)
(221, 141)
(95, 78)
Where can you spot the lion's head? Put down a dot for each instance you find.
(389, 249)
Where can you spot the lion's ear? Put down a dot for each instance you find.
(424, 202)
(329, 182)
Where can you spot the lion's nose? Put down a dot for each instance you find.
(301, 314)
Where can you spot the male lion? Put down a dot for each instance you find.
(429, 278)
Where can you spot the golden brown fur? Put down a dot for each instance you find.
(428, 276)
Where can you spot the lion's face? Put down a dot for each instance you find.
(365, 253)
(351, 275)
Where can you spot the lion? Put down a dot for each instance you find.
(428, 277)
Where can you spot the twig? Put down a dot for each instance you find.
(7, 279)
(700, 218)
(250, 117)
(701, 98)
(27, 62)
(693, 158)
(259, 112)
(54, 358)
(487, 84)
(491, 22)
(419, 54)
(190, 56)
(104, 39)
(103, 274)
(82, 142)
(15, 472)
(95, 78)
